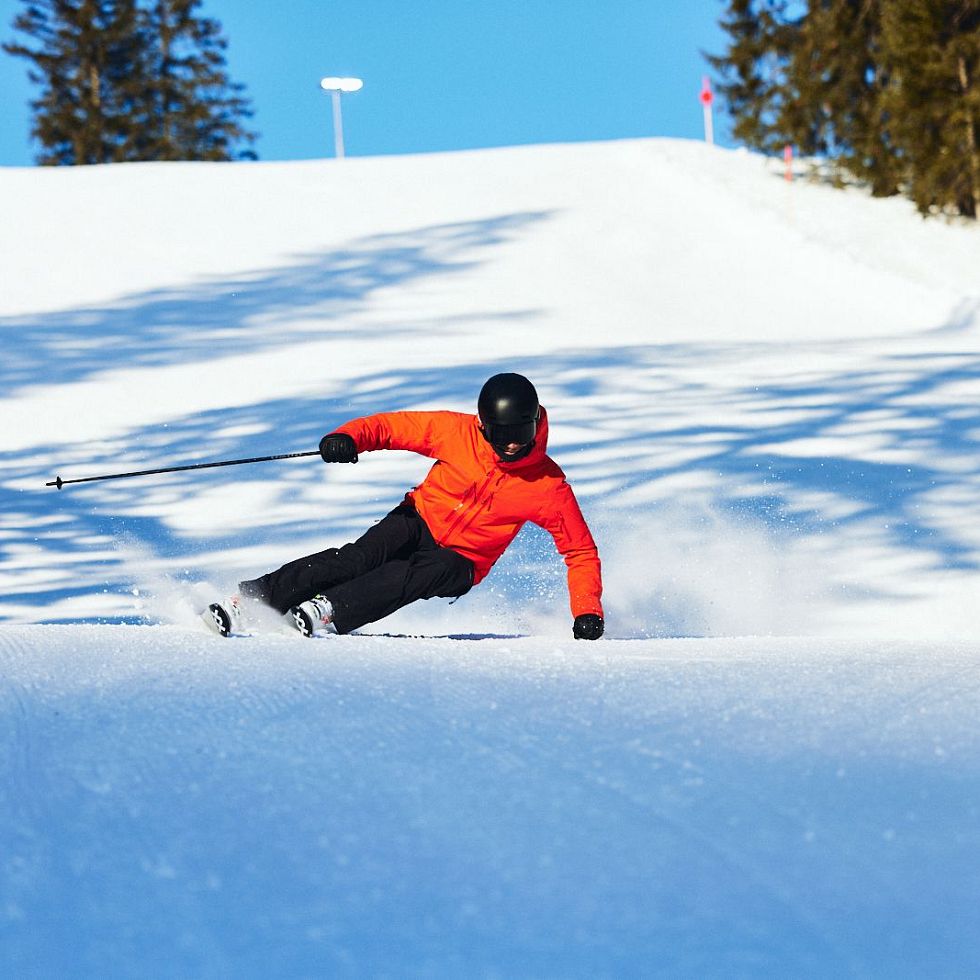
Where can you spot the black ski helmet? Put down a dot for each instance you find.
(508, 410)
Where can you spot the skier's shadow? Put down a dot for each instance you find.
(464, 637)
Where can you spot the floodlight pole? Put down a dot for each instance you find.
(338, 126)
(336, 87)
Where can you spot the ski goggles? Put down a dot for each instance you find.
(520, 433)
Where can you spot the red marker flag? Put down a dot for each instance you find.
(706, 99)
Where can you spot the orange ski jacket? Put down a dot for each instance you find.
(475, 503)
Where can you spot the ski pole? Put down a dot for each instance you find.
(59, 483)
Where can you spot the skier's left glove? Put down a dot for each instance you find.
(588, 626)
(338, 447)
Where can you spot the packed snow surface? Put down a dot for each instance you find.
(499, 806)
(766, 397)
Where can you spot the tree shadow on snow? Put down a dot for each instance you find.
(310, 299)
(873, 438)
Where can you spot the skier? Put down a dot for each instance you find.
(490, 476)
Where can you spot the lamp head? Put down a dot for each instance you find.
(333, 84)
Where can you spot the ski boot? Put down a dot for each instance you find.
(225, 617)
(313, 616)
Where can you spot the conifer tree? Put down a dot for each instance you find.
(85, 56)
(754, 70)
(198, 110)
(120, 81)
(837, 79)
(932, 50)
(885, 90)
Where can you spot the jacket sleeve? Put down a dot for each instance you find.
(418, 432)
(564, 521)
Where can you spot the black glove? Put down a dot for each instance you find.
(588, 626)
(338, 447)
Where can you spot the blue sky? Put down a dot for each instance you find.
(447, 74)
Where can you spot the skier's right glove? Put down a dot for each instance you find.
(588, 626)
(338, 447)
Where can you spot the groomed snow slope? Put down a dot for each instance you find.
(766, 398)
(765, 394)
(375, 806)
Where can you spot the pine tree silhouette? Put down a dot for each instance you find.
(122, 82)
(932, 51)
(83, 58)
(198, 110)
(754, 81)
(886, 91)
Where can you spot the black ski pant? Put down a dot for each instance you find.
(392, 564)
